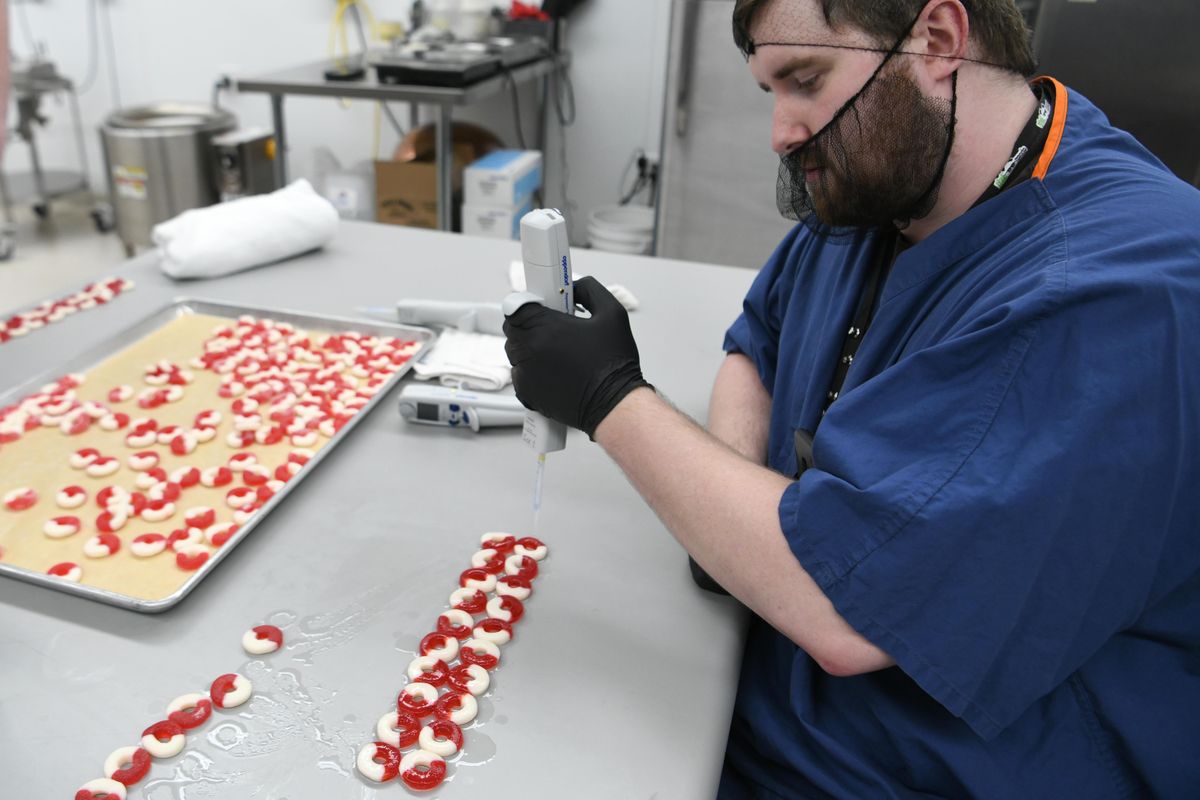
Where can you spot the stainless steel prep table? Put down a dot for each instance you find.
(619, 681)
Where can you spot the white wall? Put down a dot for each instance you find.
(175, 49)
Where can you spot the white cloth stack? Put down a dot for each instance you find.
(474, 361)
(229, 237)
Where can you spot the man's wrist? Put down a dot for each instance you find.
(626, 408)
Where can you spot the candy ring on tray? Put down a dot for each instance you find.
(184, 444)
(529, 546)
(217, 535)
(148, 544)
(141, 438)
(493, 630)
(190, 710)
(457, 707)
(109, 522)
(158, 511)
(185, 476)
(166, 490)
(190, 558)
(101, 789)
(287, 470)
(441, 737)
(150, 478)
(428, 669)
(502, 543)
(112, 497)
(61, 527)
(417, 698)
(215, 477)
(102, 467)
(521, 567)
(71, 497)
(140, 462)
(229, 690)
(488, 560)
(67, 570)
(481, 652)
(183, 538)
(441, 646)
(378, 761)
(262, 639)
(399, 729)
(255, 475)
(512, 586)
(239, 497)
(239, 461)
(20, 499)
(200, 517)
(119, 394)
(81, 458)
(102, 545)
(204, 434)
(476, 578)
(164, 739)
(207, 419)
(472, 601)
(136, 757)
(505, 607)
(469, 679)
(422, 770)
(456, 623)
(114, 422)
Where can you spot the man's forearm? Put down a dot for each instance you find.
(739, 413)
(724, 510)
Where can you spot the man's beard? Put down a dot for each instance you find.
(879, 161)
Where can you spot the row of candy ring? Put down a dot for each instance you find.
(48, 311)
(126, 766)
(425, 768)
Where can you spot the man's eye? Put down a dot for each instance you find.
(808, 84)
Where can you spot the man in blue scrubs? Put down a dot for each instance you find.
(953, 455)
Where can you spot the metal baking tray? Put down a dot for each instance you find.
(184, 306)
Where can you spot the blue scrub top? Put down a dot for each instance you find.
(1005, 498)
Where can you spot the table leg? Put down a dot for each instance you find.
(281, 172)
(445, 168)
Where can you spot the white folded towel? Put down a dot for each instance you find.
(229, 237)
(469, 360)
(516, 279)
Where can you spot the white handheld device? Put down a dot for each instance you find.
(456, 408)
(547, 258)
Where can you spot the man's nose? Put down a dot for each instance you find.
(787, 131)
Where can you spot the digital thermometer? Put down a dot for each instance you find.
(456, 408)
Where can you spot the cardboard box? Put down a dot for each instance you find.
(495, 222)
(406, 191)
(503, 178)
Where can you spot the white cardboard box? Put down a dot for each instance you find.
(503, 178)
(495, 222)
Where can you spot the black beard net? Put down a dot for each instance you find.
(880, 159)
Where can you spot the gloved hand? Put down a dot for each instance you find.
(571, 369)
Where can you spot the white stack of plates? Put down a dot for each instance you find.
(621, 229)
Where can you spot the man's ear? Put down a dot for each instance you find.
(942, 33)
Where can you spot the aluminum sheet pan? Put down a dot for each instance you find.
(184, 306)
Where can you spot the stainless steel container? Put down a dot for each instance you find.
(159, 163)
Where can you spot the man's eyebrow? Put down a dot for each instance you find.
(788, 67)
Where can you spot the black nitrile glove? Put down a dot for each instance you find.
(573, 370)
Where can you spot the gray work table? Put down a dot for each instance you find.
(309, 79)
(619, 681)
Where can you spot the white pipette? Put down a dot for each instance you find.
(547, 257)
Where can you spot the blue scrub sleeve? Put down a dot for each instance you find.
(987, 510)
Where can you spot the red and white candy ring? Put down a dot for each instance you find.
(239, 461)
(488, 560)
(215, 477)
(158, 510)
(81, 458)
(480, 652)
(114, 422)
(101, 789)
(255, 475)
(529, 546)
(458, 707)
(456, 623)
(119, 394)
(200, 517)
(184, 538)
(190, 710)
(71, 497)
(262, 639)
(417, 698)
(512, 586)
(502, 543)
(470, 679)
(148, 544)
(164, 739)
(521, 567)
(442, 646)
(203, 434)
(208, 419)
(150, 478)
(240, 497)
(111, 497)
(190, 558)
(61, 527)
(109, 522)
(378, 761)
(506, 608)
(20, 499)
(229, 690)
(186, 477)
(305, 439)
(472, 601)
(145, 460)
(75, 423)
(184, 444)
(429, 669)
(494, 630)
(166, 490)
(102, 467)
(217, 535)
(244, 515)
(137, 759)
(102, 545)
(476, 578)
(399, 729)
(141, 438)
(287, 470)
(422, 770)
(67, 570)
(441, 737)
